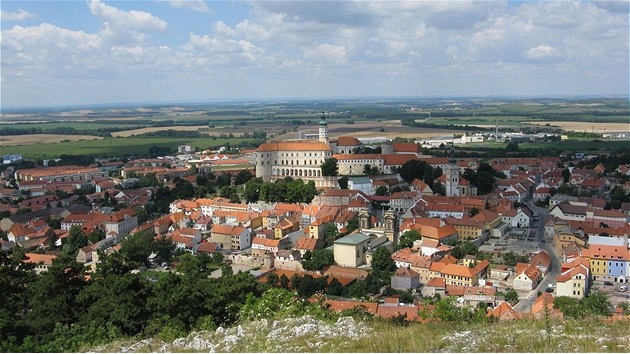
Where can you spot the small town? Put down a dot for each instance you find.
(314, 176)
(380, 230)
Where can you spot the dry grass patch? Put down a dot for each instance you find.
(587, 126)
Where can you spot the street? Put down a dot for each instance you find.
(526, 302)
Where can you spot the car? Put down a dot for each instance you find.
(608, 283)
(623, 288)
(549, 290)
(164, 264)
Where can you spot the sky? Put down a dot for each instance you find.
(59, 53)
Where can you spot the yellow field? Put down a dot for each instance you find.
(32, 139)
(587, 126)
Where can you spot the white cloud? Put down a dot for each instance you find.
(542, 51)
(19, 15)
(327, 53)
(133, 20)
(194, 5)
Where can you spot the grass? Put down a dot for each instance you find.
(112, 147)
(585, 335)
(509, 336)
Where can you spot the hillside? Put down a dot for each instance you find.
(308, 334)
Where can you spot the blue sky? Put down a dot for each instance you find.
(57, 53)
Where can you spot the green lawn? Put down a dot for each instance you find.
(112, 147)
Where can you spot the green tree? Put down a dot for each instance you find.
(242, 177)
(343, 182)
(381, 190)
(198, 265)
(251, 191)
(330, 167)
(407, 238)
(75, 241)
(137, 248)
(52, 296)
(382, 260)
(413, 169)
(141, 213)
(511, 296)
(320, 259)
(96, 236)
(566, 175)
(334, 288)
(116, 300)
(164, 248)
(15, 277)
(485, 182)
(330, 234)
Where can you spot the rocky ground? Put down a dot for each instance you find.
(301, 334)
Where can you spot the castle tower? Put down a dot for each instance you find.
(452, 176)
(323, 130)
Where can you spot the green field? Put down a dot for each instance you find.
(113, 147)
(75, 125)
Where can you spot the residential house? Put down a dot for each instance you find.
(527, 276)
(459, 274)
(609, 263)
(542, 261)
(419, 186)
(267, 245)
(405, 279)
(121, 222)
(504, 312)
(467, 228)
(286, 226)
(543, 307)
(304, 244)
(231, 237)
(435, 286)
(569, 212)
(42, 261)
(574, 279)
(606, 218)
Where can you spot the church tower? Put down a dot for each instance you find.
(323, 129)
(452, 176)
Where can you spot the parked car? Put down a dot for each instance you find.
(623, 288)
(549, 290)
(608, 283)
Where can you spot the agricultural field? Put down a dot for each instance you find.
(113, 147)
(387, 128)
(32, 139)
(588, 126)
(128, 133)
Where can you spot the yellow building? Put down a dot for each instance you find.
(285, 227)
(350, 251)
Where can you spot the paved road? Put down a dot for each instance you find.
(526, 302)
